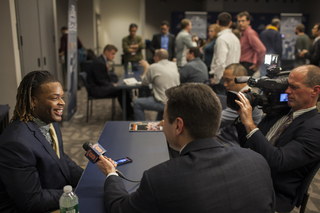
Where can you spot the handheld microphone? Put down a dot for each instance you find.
(93, 153)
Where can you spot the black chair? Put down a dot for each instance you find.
(303, 195)
(83, 76)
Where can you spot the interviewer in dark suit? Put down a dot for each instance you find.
(33, 166)
(297, 150)
(164, 40)
(206, 177)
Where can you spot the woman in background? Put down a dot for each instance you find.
(208, 47)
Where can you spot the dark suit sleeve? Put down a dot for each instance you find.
(278, 44)
(173, 44)
(301, 150)
(19, 174)
(117, 198)
(314, 57)
(153, 45)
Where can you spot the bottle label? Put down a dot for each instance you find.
(73, 209)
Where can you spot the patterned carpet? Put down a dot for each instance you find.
(77, 131)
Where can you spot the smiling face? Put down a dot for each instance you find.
(48, 102)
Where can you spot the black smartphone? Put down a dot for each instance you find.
(122, 161)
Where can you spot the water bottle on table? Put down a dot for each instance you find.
(68, 201)
(129, 68)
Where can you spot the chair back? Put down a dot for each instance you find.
(83, 76)
(303, 189)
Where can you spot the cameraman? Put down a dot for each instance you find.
(227, 134)
(291, 149)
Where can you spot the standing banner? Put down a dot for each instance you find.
(72, 58)
(199, 23)
(288, 23)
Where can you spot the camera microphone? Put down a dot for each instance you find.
(93, 153)
(241, 79)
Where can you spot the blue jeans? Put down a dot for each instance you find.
(141, 104)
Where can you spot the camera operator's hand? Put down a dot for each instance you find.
(245, 112)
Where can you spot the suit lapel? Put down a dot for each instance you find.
(40, 137)
(291, 128)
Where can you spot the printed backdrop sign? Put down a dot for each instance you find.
(72, 58)
(288, 23)
(199, 23)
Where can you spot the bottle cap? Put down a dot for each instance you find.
(67, 189)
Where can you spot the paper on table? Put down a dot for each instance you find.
(130, 81)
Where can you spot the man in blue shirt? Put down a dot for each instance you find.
(164, 40)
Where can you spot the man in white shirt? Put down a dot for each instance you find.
(162, 74)
(227, 50)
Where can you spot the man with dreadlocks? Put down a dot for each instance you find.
(34, 168)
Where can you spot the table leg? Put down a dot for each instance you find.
(124, 104)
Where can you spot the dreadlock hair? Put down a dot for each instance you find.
(28, 87)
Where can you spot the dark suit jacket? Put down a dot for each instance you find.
(99, 81)
(314, 54)
(206, 177)
(296, 152)
(32, 176)
(272, 41)
(156, 44)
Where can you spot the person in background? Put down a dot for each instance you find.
(271, 39)
(195, 70)
(227, 134)
(226, 51)
(132, 47)
(34, 168)
(208, 47)
(162, 74)
(164, 40)
(302, 43)
(184, 41)
(252, 49)
(314, 54)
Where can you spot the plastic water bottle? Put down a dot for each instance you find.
(68, 201)
(129, 68)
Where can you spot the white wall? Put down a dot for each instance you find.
(10, 71)
(116, 16)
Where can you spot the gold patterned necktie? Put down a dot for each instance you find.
(55, 143)
(281, 128)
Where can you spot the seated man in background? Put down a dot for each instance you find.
(163, 74)
(195, 70)
(288, 141)
(34, 168)
(206, 177)
(100, 81)
(227, 134)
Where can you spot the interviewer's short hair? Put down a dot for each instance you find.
(198, 106)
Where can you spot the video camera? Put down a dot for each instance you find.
(272, 97)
